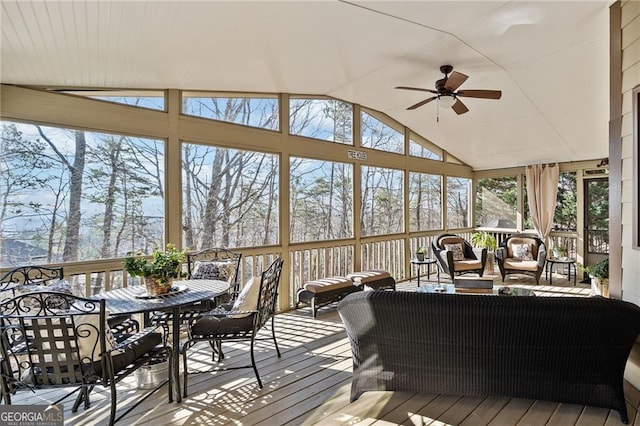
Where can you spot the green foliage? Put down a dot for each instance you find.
(600, 270)
(483, 239)
(163, 264)
(421, 250)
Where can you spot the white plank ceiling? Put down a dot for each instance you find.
(549, 58)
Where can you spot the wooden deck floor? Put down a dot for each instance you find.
(310, 384)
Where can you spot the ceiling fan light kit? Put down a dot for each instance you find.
(446, 93)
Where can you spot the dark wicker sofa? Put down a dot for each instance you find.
(562, 349)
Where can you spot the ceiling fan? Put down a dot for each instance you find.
(446, 91)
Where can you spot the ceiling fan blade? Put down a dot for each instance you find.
(455, 80)
(419, 104)
(484, 94)
(416, 88)
(459, 107)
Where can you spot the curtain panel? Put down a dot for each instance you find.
(542, 189)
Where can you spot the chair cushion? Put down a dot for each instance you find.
(220, 270)
(523, 265)
(221, 325)
(134, 347)
(87, 329)
(368, 276)
(467, 265)
(456, 249)
(449, 239)
(327, 284)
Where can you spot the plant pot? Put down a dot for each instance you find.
(420, 256)
(157, 286)
(600, 287)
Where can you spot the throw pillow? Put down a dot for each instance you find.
(248, 298)
(456, 249)
(52, 301)
(87, 329)
(223, 271)
(522, 251)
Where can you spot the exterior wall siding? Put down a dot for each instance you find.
(630, 26)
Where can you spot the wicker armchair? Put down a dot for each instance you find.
(57, 340)
(522, 254)
(467, 260)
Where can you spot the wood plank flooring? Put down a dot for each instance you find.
(310, 385)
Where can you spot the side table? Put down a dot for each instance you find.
(427, 261)
(555, 261)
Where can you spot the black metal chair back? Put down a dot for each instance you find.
(29, 275)
(54, 339)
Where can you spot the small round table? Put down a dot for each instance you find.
(556, 261)
(427, 261)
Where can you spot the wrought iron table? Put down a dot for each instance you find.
(133, 300)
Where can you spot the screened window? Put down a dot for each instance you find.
(138, 98)
(326, 119)
(458, 202)
(71, 195)
(378, 135)
(565, 217)
(254, 111)
(230, 197)
(418, 147)
(425, 201)
(382, 201)
(497, 202)
(321, 200)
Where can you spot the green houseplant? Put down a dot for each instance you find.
(483, 239)
(420, 253)
(160, 270)
(599, 273)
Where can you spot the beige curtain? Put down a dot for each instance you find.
(542, 188)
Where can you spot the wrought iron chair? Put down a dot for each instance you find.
(522, 254)
(214, 264)
(242, 322)
(455, 255)
(26, 279)
(57, 340)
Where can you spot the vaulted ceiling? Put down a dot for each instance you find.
(549, 58)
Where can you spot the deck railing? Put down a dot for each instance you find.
(307, 261)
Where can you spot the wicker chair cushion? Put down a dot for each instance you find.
(522, 265)
(467, 265)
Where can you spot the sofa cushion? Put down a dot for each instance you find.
(327, 284)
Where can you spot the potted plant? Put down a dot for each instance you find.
(599, 273)
(420, 253)
(559, 252)
(159, 271)
(483, 239)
